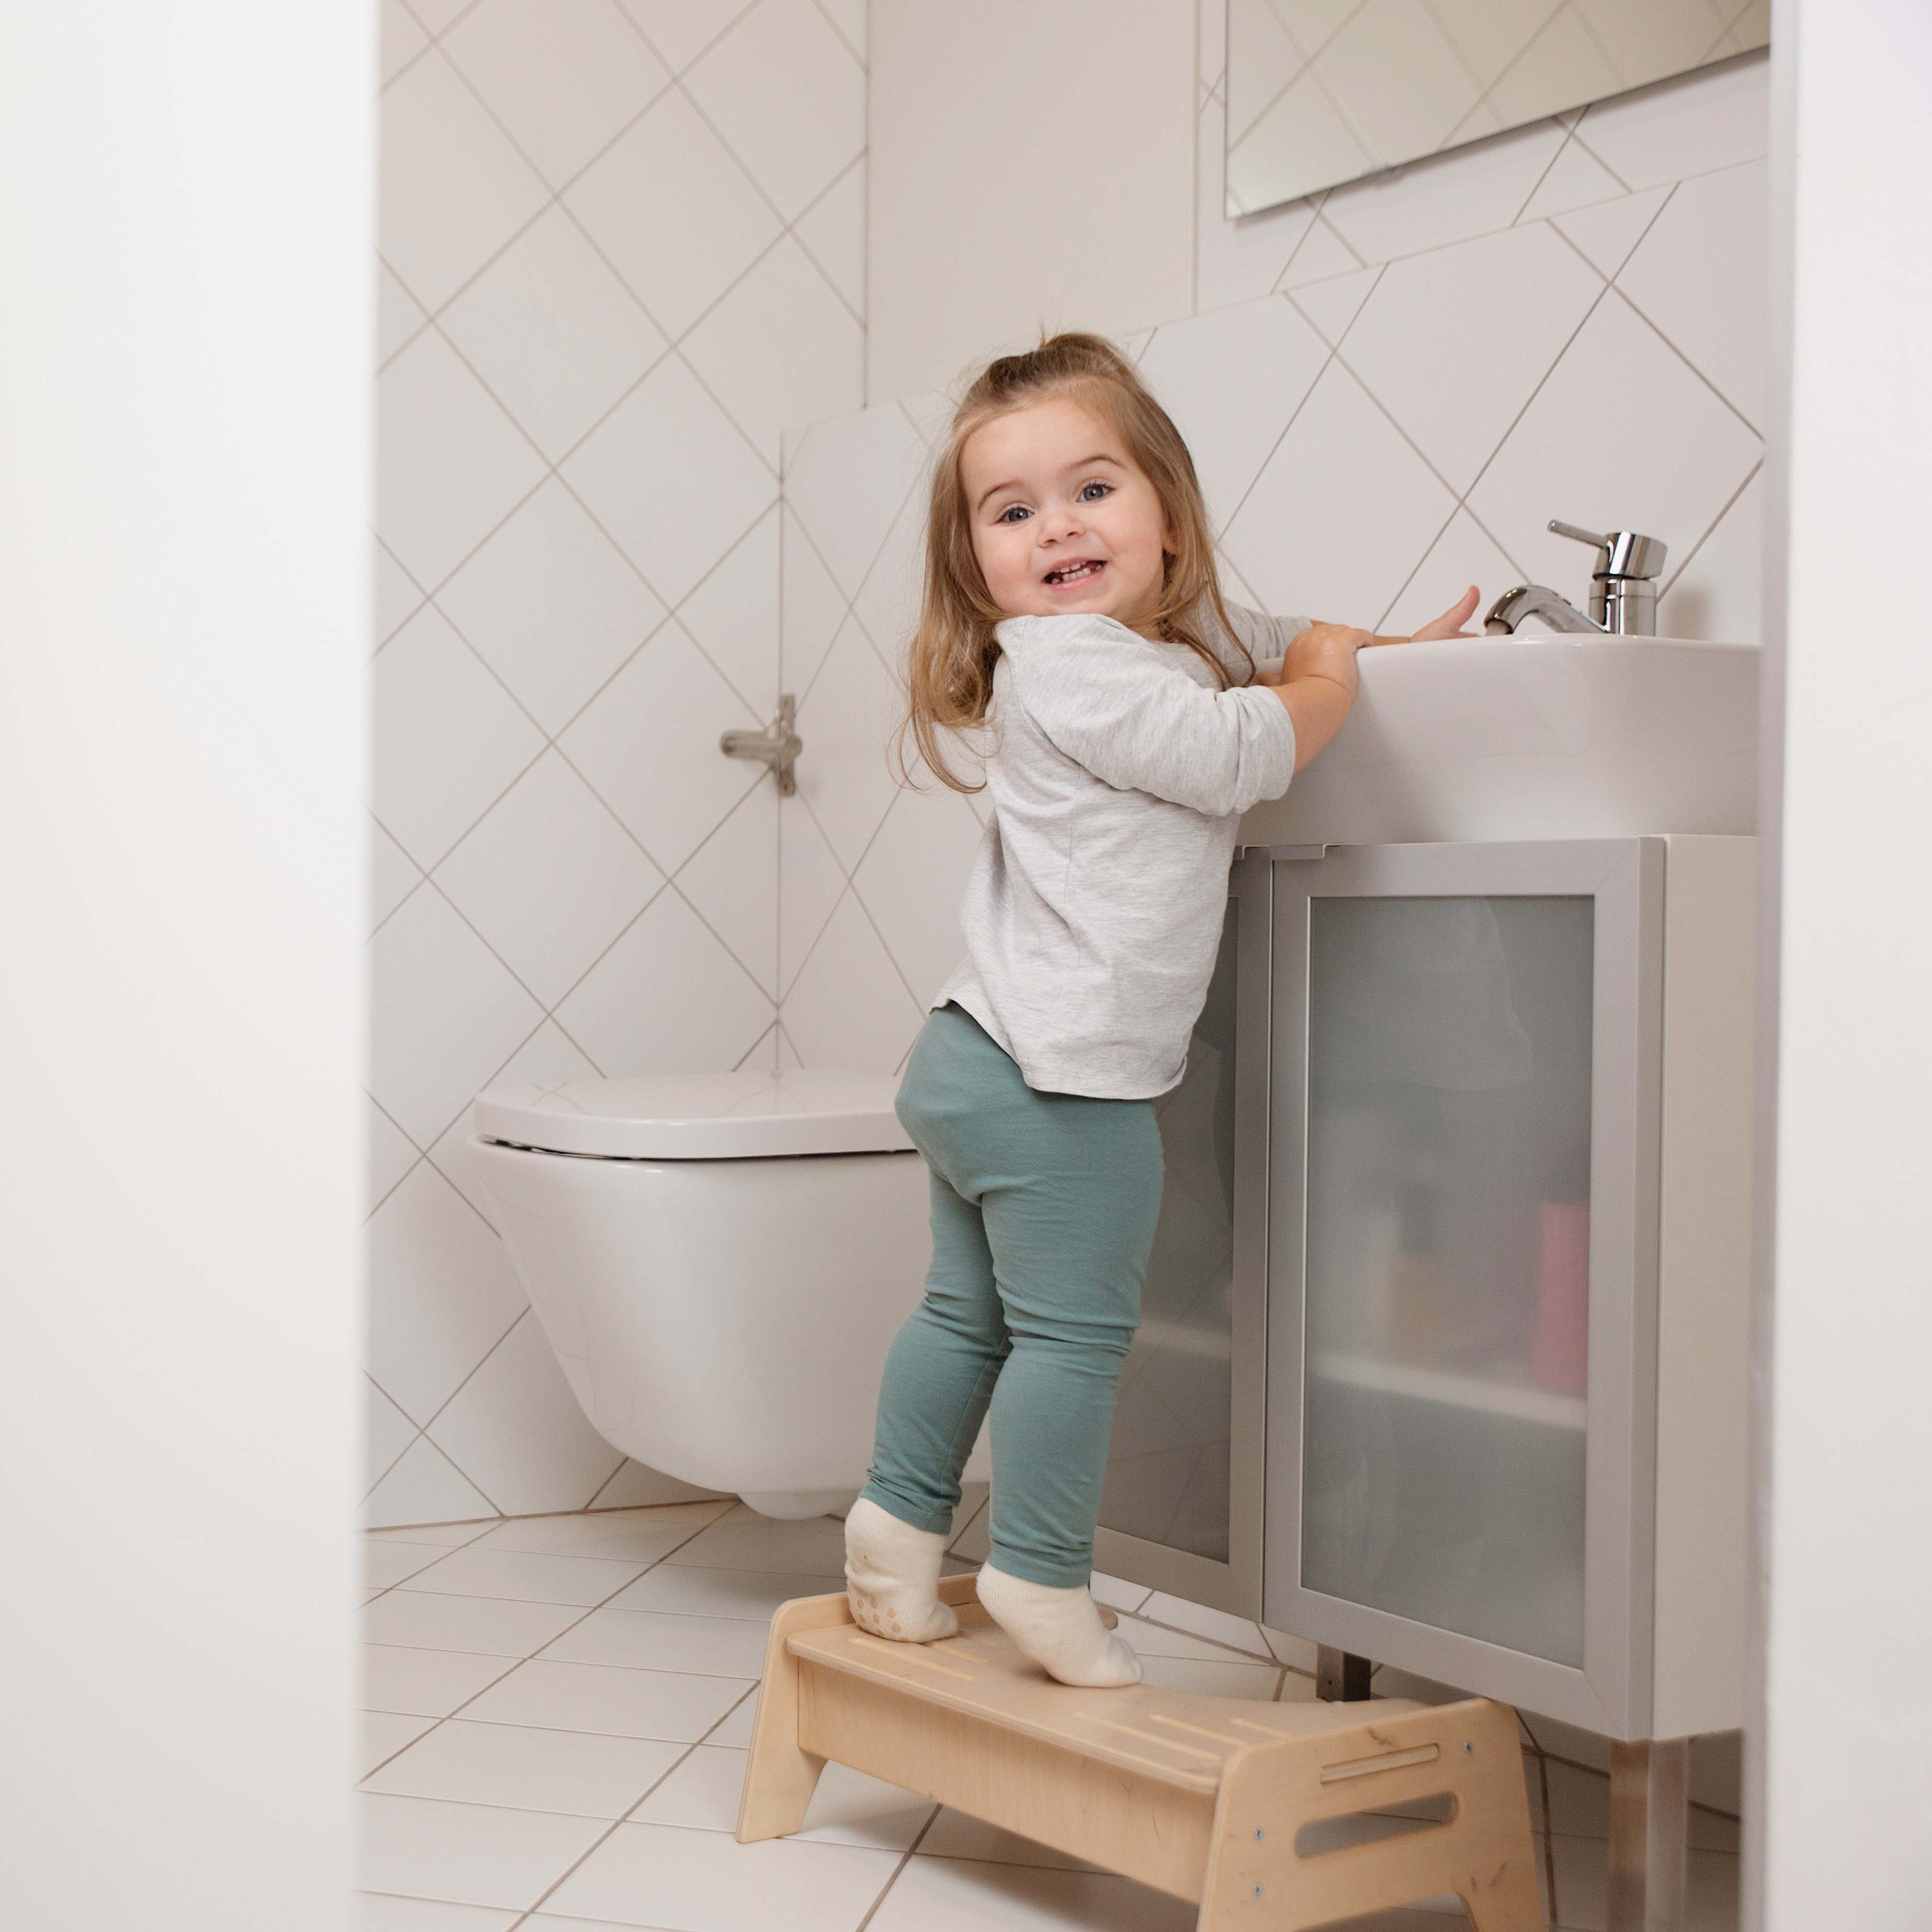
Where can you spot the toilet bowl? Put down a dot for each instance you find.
(720, 1261)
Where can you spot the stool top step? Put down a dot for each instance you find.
(1180, 1738)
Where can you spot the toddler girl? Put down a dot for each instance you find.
(1071, 606)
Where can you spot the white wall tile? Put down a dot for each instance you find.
(811, 883)
(436, 16)
(635, 1486)
(813, 607)
(648, 743)
(1576, 178)
(563, 76)
(1715, 593)
(913, 881)
(1454, 370)
(848, 1006)
(845, 720)
(833, 231)
(398, 314)
(1671, 481)
(554, 331)
(549, 876)
(679, 219)
(680, 30)
(1333, 305)
(1237, 261)
(1608, 231)
(449, 740)
(423, 1486)
(667, 998)
(781, 346)
(1699, 274)
(397, 598)
(441, 1293)
(454, 189)
(516, 1429)
(1232, 381)
(672, 479)
(1462, 555)
(1688, 126)
(386, 1433)
(887, 604)
(403, 39)
(846, 480)
(390, 1153)
(551, 605)
(731, 881)
(733, 616)
(445, 1013)
(1335, 523)
(1447, 198)
(450, 464)
(789, 97)
(393, 875)
(1319, 256)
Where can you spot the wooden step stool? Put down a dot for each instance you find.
(1202, 1797)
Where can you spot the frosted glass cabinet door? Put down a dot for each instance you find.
(1455, 1251)
(1181, 1508)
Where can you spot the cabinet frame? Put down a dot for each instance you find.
(1234, 1586)
(1625, 877)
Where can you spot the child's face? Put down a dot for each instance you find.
(1063, 519)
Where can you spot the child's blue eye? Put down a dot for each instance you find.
(1012, 513)
(1086, 491)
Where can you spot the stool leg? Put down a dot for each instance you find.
(779, 1777)
(1649, 1814)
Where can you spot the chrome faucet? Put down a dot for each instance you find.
(777, 745)
(1623, 589)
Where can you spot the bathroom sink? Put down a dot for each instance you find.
(1532, 737)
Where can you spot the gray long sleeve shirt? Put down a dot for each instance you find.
(1118, 774)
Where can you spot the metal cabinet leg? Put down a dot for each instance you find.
(1649, 1814)
(1340, 1676)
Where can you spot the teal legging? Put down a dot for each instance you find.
(1043, 1211)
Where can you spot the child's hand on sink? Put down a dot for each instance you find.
(1317, 678)
(1449, 625)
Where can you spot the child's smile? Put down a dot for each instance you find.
(1063, 519)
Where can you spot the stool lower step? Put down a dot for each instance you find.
(1201, 1797)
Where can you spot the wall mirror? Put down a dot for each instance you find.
(1324, 92)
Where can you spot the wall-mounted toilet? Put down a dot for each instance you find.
(721, 1262)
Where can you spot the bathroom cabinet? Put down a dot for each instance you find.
(1444, 1358)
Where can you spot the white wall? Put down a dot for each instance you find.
(1036, 163)
(184, 243)
(621, 246)
(1568, 321)
(1839, 1767)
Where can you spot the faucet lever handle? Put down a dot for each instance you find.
(1625, 553)
(1562, 529)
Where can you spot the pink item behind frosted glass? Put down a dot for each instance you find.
(1560, 1352)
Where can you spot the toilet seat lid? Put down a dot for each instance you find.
(746, 1115)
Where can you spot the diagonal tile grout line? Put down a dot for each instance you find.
(859, 53)
(1670, 583)
(1562, 148)
(898, 1870)
(517, 1663)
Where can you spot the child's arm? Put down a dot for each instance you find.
(1317, 682)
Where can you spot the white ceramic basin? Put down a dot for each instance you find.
(1532, 737)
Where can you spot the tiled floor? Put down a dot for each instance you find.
(558, 1711)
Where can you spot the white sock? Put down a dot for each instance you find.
(891, 1577)
(1060, 1629)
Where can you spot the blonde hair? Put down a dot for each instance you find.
(950, 662)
